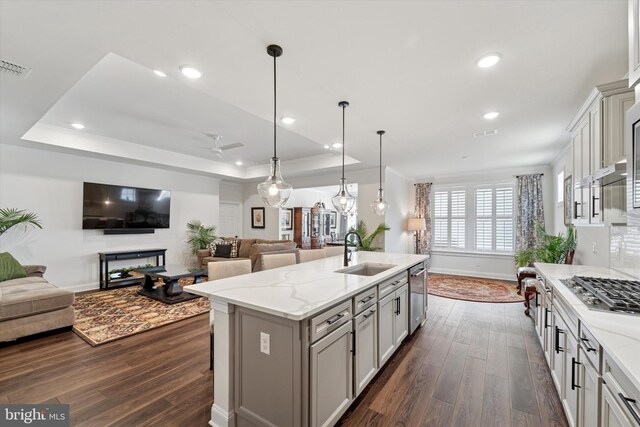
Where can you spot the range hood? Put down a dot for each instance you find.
(606, 176)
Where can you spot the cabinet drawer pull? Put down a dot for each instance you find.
(537, 303)
(573, 373)
(593, 206)
(369, 314)
(335, 318)
(546, 318)
(587, 344)
(558, 332)
(417, 273)
(627, 402)
(367, 299)
(575, 210)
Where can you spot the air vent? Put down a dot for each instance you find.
(485, 133)
(14, 70)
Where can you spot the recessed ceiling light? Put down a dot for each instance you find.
(489, 60)
(288, 120)
(238, 163)
(190, 71)
(326, 147)
(159, 73)
(337, 145)
(464, 157)
(77, 125)
(491, 115)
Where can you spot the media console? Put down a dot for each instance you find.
(105, 280)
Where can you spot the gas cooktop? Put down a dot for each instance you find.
(617, 295)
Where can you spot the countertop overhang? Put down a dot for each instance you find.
(618, 333)
(299, 291)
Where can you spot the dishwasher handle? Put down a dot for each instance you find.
(419, 272)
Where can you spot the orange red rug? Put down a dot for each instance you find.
(473, 288)
(106, 316)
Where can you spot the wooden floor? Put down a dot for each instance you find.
(473, 364)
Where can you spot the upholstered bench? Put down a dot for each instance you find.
(30, 305)
(524, 273)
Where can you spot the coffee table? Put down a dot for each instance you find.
(171, 292)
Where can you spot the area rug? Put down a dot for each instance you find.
(473, 288)
(106, 316)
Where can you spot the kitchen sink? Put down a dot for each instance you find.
(366, 269)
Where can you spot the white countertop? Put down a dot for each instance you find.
(617, 333)
(299, 291)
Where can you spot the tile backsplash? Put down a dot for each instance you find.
(625, 250)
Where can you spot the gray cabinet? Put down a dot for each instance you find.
(386, 332)
(365, 356)
(613, 415)
(589, 392)
(393, 322)
(401, 320)
(331, 376)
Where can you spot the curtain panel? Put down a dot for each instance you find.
(423, 210)
(530, 210)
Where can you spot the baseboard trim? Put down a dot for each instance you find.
(82, 287)
(471, 273)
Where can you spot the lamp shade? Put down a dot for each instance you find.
(417, 224)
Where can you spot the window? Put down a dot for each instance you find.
(560, 186)
(449, 218)
(480, 218)
(494, 218)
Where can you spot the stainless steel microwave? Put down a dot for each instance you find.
(632, 148)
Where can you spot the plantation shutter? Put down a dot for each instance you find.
(504, 219)
(440, 212)
(484, 205)
(458, 235)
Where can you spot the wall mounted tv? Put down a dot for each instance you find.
(121, 209)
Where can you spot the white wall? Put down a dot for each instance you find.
(50, 184)
(397, 193)
(498, 266)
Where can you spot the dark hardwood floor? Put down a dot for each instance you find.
(473, 364)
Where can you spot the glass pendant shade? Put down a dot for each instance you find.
(379, 206)
(275, 191)
(343, 201)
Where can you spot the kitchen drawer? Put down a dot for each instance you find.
(330, 320)
(621, 388)
(391, 284)
(364, 300)
(592, 348)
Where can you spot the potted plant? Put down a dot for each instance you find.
(367, 241)
(10, 217)
(550, 248)
(200, 236)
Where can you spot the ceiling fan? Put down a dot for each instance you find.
(217, 147)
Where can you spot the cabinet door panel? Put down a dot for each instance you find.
(366, 348)
(331, 376)
(386, 340)
(615, 107)
(402, 317)
(612, 413)
(557, 353)
(589, 395)
(571, 379)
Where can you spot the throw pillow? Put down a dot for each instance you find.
(10, 268)
(223, 251)
(234, 247)
(212, 248)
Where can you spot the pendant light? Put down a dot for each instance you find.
(274, 191)
(343, 201)
(379, 206)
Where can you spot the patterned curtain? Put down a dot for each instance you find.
(423, 210)
(530, 210)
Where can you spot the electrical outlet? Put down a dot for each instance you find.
(594, 248)
(265, 343)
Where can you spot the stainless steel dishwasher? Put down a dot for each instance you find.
(418, 296)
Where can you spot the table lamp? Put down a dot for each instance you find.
(416, 225)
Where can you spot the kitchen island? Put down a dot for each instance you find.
(295, 345)
(594, 355)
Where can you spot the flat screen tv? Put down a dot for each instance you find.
(112, 207)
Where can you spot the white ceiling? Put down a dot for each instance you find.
(406, 67)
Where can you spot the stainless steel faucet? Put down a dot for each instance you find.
(345, 262)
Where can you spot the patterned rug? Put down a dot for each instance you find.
(473, 288)
(106, 316)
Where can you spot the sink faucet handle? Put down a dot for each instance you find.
(350, 252)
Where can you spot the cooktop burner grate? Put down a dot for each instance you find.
(607, 294)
